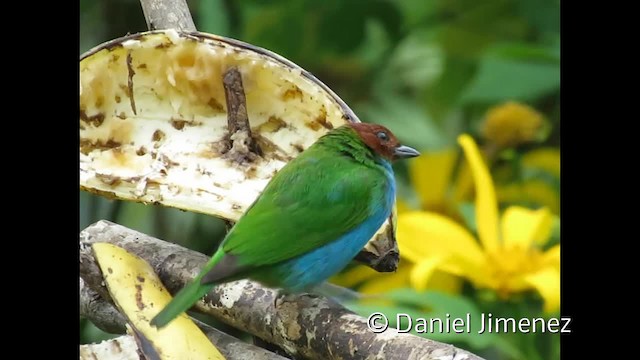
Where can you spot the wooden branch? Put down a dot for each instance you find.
(167, 14)
(304, 325)
(242, 147)
(122, 347)
(105, 316)
(100, 312)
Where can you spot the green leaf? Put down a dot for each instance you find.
(416, 62)
(444, 94)
(528, 52)
(279, 27)
(471, 26)
(375, 44)
(341, 25)
(501, 79)
(543, 15)
(212, 17)
(554, 238)
(464, 43)
(416, 12)
(468, 212)
(435, 300)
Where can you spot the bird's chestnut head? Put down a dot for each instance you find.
(383, 142)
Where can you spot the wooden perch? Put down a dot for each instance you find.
(101, 313)
(167, 14)
(305, 326)
(122, 347)
(242, 147)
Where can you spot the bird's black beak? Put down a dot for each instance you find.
(405, 152)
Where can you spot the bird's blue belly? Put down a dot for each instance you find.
(314, 267)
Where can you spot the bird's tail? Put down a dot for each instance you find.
(183, 300)
(187, 296)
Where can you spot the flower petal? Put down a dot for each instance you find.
(430, 174)
(402, 206)
(536, 192)
(353, 276)
(551, 257)
(421, 273)
(486, 203)
(445, 282)
(422, 235)
(547, 283)
(547, 159)
(385, 282)
(511, 124)
(522, 227)
(463, 186)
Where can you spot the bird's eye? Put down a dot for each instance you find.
(382, 136)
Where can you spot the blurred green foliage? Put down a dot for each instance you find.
(427, 69)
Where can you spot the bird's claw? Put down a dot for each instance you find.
(283, 296)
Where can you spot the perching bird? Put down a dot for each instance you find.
(311, 220)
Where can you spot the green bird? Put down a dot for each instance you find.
(311, 220)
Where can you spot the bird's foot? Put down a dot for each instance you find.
(283, 296)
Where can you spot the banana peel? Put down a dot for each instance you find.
(139, 295)
(153, 124)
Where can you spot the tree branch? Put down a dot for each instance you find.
(101, 313)
(305, 326)
(122, 347)
(242, 147)
(167, 14)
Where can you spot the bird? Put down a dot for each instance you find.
(313, 217)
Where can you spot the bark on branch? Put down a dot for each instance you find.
(305, 326)
(242, 147)
(167, 14)
(100, 312)
(122, 347)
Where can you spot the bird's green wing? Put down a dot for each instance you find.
(312, 201)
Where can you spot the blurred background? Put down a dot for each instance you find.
(475, 86)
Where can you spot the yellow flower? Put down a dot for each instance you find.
(507, 258)
(545, 159)
(439, 186)
(511, 124)
(431, 175)
(534, 190)
(368, 281)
